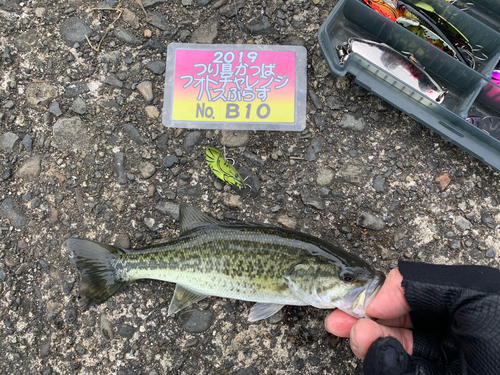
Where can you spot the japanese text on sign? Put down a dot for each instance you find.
(234, 86)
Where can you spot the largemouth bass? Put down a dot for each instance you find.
(253, 262)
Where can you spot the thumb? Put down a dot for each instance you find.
(386, 356)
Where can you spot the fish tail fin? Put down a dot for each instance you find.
(101, 274)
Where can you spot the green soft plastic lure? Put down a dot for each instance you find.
(222, 168)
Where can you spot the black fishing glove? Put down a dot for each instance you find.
(456, 319)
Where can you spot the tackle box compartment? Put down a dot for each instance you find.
(471, 91)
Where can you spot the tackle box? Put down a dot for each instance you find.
(471, 91)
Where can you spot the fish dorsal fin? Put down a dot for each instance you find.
(191, 217)
(182, 298)
(261, 311)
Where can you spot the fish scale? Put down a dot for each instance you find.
(252, 262)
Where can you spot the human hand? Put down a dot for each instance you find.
(447, 318)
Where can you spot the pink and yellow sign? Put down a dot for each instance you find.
(233, 85)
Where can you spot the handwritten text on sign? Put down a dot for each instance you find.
(238, 86)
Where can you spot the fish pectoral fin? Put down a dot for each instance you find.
(261, 311)
(190, 218)
(182, 298)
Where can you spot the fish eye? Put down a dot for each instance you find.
(402, 8)
(348, 275)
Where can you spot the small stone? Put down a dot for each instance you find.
(7, 174)
(314, 148)
(126, 36)
(9, 211)
(196, 321)
(379, 184)
(294, 40)
(122, 241)
(156, 66)
(206, 32)
(369, 221)
(351, 122)
(130, 18)
(80, 349)
(488, 220)
(45, 347)
(233, 201)
(253, 159)
(287, 222)
(54, 109)
(148, 33)
(9, 104)
(40, 12)
(133, 133)
(79, 106)
(170, 161)
(462, 223)
(455, 245)
(192, 139)
(148, 3)
(333, 103)
(146, 89)
(8, 141)
(120, 167)
(491, 252)
(125, 330)
(325, 177)
(27, 142)
(110, 58)
(152, 111)
(158, 20)
(69, 134)
(162, 143)
(321, 69)
(74, 30)
(106, 328)
(168, 208)
(231, 9)
(53, 309)
(310, 201)
(77, 88)
(354, 173)
(260, 26)
(147, 170)
(234, 138)
(444, 180)
(315, 100)
(113, 81)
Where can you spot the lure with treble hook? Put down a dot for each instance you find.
(222, 168)
(458, 39)
(414, 21)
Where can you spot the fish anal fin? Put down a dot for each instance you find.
(261, 311)
(191, 217)
(182, 298)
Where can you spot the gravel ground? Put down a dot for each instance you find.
(84, 153)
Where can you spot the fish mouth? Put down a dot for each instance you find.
(358, 299)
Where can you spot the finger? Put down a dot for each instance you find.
(401, 322)
(390, 301)
(339, 323)
(365, 332)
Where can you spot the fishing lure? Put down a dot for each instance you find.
(404, 67)
(416, 22)
(216, 160)
(459, 40)
(387, 8)
(488, 124)
(496, 77)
